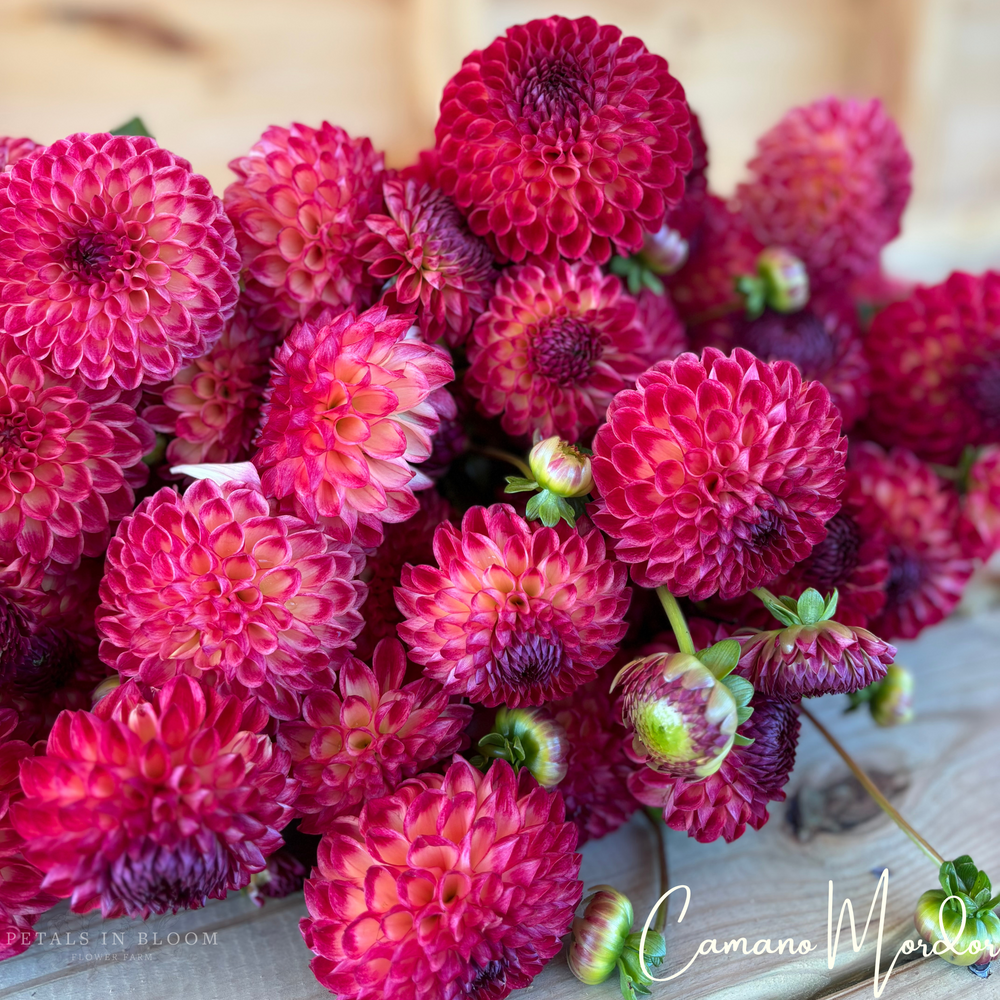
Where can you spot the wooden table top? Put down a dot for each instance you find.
(941, 772)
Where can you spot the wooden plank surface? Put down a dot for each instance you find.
(771, 884)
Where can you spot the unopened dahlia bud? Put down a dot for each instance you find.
(786, 281)
(665, 251)
(892, 698)
(529, 738)
(958, 920)
(599, 936)
(684, 718)
(561, 468)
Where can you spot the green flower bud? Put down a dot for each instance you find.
(561, 468)
(786, 281)
(891, 702)
(599, 936)
(528, 737)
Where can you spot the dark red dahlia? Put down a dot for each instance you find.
(12, 150)
(154, 802)
(665, 334)
(935, 360)
(980, 525)
(299, 207)
(739, 792)
(350, 749)
(717, 474)
(514, 613)
(563, 138)
(116, 261)
(433, 264)
(454, 887)
(283, 875)
(928, 566)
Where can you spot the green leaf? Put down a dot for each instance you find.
(811, 607)
(741, 689)
(722, 658)
(743, 741)
(656, 946)
(967, 872)
(742, 714)
(753, 289)
(831, 606)
(992, 904)
(652, 282)
(981, 886)
(781, 610)
(134, 126)
(518, 484)
(492, 740)
(549, 509)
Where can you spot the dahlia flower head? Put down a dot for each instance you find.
(738, 794)
(349, 749)
(154, 802)
(562, 138)
(71, 461)
(456, 886)
(117, 263)
(12, 149)
(981, 504)
(514, 613)
(22, 898)
(299, 206)
(555, 345)
(935, 360)
(434, 266)
(717, 473)
(928, 565)
(211, 583)
(212, 407)
(350, 411)
(829, 182)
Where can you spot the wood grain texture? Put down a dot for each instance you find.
(769, 884)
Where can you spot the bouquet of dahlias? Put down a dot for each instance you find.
(332, 512)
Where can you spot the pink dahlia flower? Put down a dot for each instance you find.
(212, 583)
(928, 566)
(829, 182)
(12, 150)
(717, 474)
(557, 342)
(665, 333)
(299, 206)
(563, 138)
(350, 749)
(981, 504)
(117, 261)
(434, 265)
(737, 795)
(154, 802)
(514, 613)
(455, 886)
(350, 411)
(71, 459)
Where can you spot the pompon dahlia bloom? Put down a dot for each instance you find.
(58, 595)
(718, 473)
(350, 749)
(514, 613)
(555, 345)
(212, 406)
(928, 567)
(563, 138)
(438, 268)
(829, 182)
(12, 150)
(116, 261)
(350, 411)
(737, 795)
(935, 360)
(71, 459)
(299, 206)
(981, 505)
(22, 898)
(211, 583)
(665, 334)
(154, 802)
(454, 887)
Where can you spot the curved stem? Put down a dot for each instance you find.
(677, 622)
(503, 456)
(870, 787)
(661, 843)
(763, 592)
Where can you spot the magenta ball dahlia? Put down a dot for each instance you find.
(981, 504)
(928, 565)
(350, 411)
(555, 345)
(431, 262)
(116, 261)
(829, 182)
(211, 583)
(154, 802)
(457, 886)
(349, 749)
(514, 613)
(564, 138)
(299, 207)
(935, 360)
(12, 149)
(717, 474)
(72, 457)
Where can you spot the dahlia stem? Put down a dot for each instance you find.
(870, 787)
(661, 842)
(677, 622)
(504, 456)
(764, 594)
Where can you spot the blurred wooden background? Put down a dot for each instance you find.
(209, 75)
